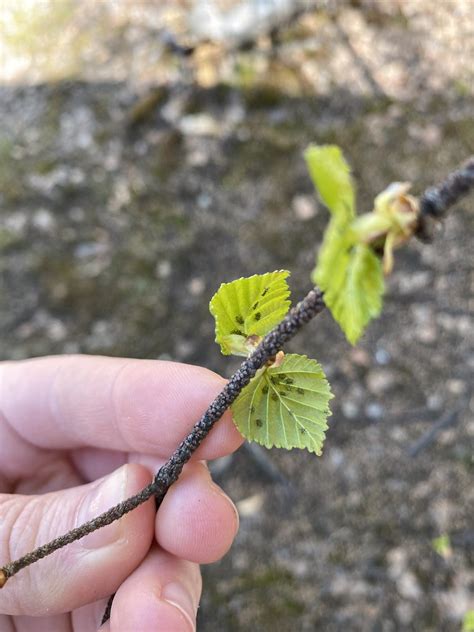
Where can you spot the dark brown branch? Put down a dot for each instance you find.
(79, 532)
(445, 421)
(435, 201)
(309, 307)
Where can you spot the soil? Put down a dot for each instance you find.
(132, 187)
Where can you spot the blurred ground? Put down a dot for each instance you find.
(134, 179)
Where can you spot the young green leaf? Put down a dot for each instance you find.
(468, 621)
(348, 272)
(331, 176)
(353, 288)
(442, 546)
(285, 406)
(333, 258)
(248, 308)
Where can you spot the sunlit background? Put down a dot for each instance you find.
(150, 151)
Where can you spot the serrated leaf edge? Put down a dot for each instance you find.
(225, 350)
(327, 410)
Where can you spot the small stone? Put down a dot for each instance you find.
(218, 466)
(456, 387)
(300, 568)
(360, 357)
(428, 135)
(442, 511)
(427, 334)
(408, 586)
(414, 282)
(184, 348)
(304, 207)
(380, 380)
(90, 249)
(16, 222)
(382, 357)
(405, 612)
(163, 269)
(397, 561)
(398, 434)
(43, 220)
(455, 603)
(196, 286)
(25, 330)
(166, 357)
(336, 457)
(250, 506)
(374, 410)
(100, 328)
(204, 201)
(199, 125)
(57, 330)
(406, 581)
(197, 158)
(77, 128)
(434, 401)
(350, 410)
(345, 585)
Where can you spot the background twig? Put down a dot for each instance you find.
(446, 420)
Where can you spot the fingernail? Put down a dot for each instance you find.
(109, 493)
(176, 595)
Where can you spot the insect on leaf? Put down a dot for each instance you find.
(285, 406)
(248, 308)
(353, 287)
(331, 176)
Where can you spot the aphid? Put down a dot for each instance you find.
(258, 315)
(265, 291)
(237, 332)
(265, 389)
(274, 396)
(259, 422)
(300, 390)
(254, 306)
(239, 319)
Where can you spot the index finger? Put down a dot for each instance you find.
(64, 402)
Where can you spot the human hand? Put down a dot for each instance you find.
(64, 423)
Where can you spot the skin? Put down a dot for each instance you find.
(79, 434)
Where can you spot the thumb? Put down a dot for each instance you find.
(86, 570)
